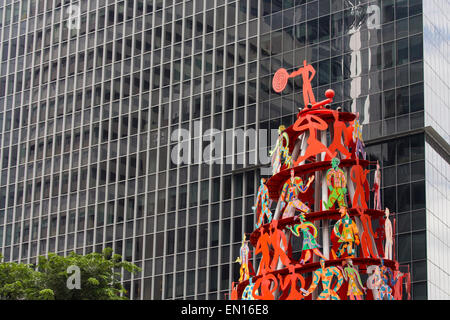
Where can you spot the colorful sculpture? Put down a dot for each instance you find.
(262, 206)
(337, 184)
(326, 276)
(355, 289)
(312, 123)
(291, 281)
(277, 277)
(388, 234)
(289, 195)
(309, 233)
(348, 235)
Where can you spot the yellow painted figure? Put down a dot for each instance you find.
(280, 153)
(355, 286)
(243, 260)
(347, 236)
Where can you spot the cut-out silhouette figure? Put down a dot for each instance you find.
(389, 236)
(339, 128)
(291, 281)
(264, 284)
(366, 235)
(312, 123)
(277, 237)
(376, 188)
(307, 72)
(262, 246)
(359, 177)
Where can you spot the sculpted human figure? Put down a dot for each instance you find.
(366, 235)
(339, 128)
(265, 283)
(359, 177)
(278, 238)
(376, 188)
(262, 206)
(307, 72)
(398, 287)
(262, 246)
(347, 236)
(289, 195)
(243, 260)
(388, 234)
(312, 123)
(386, 292)
(234, 293)
(280, 153)
(248, 291)
(326, 276)
(337, 184)
(290, 281)
(357, 138)
(355, 287)
(309, 239)
(374, 281)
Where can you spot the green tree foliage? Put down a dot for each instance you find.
(99, 278)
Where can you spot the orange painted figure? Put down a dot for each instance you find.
(263, 247)
(359, 177)
(277, 237)
(312, 123)
(307, 72)
(339, 129)
(326, 276)
(234, 293)
(291, 281)
(264, 284)
(366, 235)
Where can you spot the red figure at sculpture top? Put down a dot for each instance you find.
(312, 123)
(307, 72)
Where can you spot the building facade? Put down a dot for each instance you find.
(96, 96)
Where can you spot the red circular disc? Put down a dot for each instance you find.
(280, 80)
